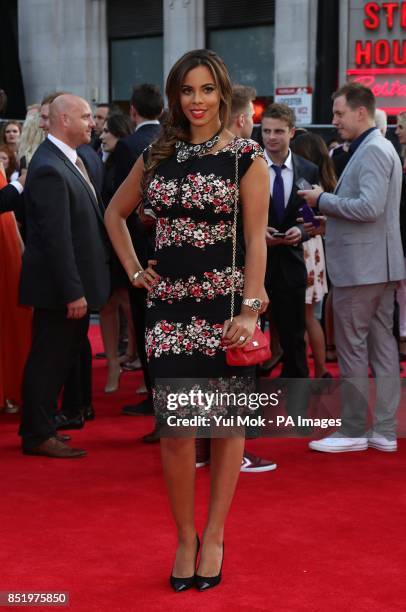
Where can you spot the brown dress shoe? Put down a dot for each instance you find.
(62, 437)
(54, 448)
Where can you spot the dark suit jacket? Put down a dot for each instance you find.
(126, 154)
(109, 179)
(129, 149)
(285, 264)
(67, 250)
(93, 164)
(9, 199)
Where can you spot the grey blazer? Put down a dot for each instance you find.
(363, 243)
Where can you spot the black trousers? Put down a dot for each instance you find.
(138, 301)
(289, 315)
(56, 344)
(77, 390)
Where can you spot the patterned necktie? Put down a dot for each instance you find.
(79, 163)
(278, 192)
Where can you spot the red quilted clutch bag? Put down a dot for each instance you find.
(254, 352)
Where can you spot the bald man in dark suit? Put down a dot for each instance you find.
(65, 269)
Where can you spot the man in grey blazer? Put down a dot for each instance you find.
(364, 261)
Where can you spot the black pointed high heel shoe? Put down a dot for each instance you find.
(183, 584)
(208, 582)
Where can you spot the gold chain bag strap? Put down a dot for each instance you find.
(257, 349)
(234, 235)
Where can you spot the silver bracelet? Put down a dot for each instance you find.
(136, 275)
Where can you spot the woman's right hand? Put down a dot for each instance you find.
(147, 278)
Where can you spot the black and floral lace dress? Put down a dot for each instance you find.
(186, 310)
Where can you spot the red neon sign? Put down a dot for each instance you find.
(393, 89)
(390, 11)
(386, 89)
(385, 51)
(376, 71)
(379, 61)
(381, 52)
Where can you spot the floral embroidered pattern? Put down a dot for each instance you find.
(315, 266)
(175, 232)
(310, 279)
(199, 190)
(166, 338)
(162, 192)
(195, 191)
(210, 286)
(244, 145)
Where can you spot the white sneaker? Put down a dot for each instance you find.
(253, 463)
(339, 445)
(381, 443)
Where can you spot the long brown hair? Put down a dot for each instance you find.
(311, 146)
(176, 126)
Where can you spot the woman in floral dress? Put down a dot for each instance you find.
(312, 147)
(189, 178)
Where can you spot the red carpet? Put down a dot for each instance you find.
(322, 533)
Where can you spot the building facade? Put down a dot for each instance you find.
(100, 48)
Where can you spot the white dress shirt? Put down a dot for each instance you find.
(70, 153)
(66, 149)
(148, 122)
(287, 175)
(18, 186)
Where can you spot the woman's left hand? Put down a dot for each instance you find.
(239, 331)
